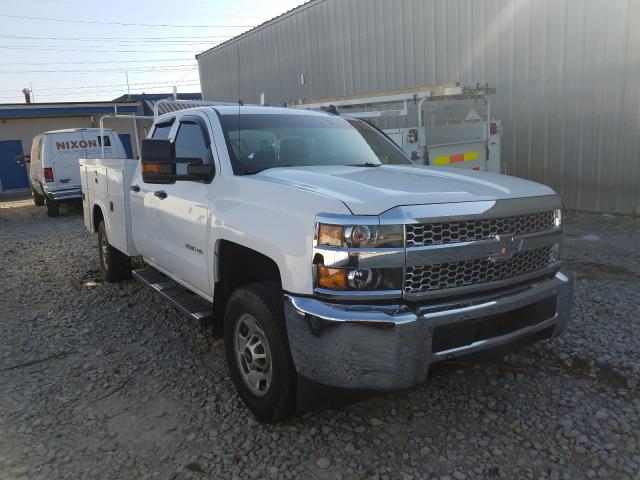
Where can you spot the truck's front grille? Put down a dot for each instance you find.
(442, 233)
(429, 278)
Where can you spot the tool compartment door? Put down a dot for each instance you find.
(462, 145)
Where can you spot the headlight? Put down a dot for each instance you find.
(557, 217)
(355, 278)
(360, 236)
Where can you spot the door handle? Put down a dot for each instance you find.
(160, 194)
(134, 188)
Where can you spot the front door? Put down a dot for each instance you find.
(13, 176)
(183, 220)
(144, 225)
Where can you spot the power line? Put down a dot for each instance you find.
(77, 87)
(111, 91)
(105, 61)
(190, 37)
(54, 49)
(158, 43)
(122, 24)
(98, 70)
(111, 41)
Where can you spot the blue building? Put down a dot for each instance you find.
(19, 123)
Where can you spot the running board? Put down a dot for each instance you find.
(189, 303)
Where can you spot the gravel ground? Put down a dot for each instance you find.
(107, 381)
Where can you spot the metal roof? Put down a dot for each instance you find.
(257, 28)
(565, 73)
(21, 110)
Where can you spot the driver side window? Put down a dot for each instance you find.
(191, 143)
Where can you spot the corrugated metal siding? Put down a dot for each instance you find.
(567, 75)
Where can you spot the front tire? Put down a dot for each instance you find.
(114, 265)
(38, 199)
(53, 207)
(257, 351)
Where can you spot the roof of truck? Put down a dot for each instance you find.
(233, 109)
(256, 109)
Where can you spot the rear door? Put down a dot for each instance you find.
(62, 155)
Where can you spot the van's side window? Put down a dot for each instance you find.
(162, 130)
(107, 141)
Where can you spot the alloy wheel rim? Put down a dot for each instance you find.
(253, 355)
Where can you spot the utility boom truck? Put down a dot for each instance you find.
(448, 124)
(318, 250)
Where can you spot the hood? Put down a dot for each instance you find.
(373, 190)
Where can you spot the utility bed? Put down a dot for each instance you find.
(105, 184)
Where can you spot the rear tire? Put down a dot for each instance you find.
(38, 199)
(257, 350)
(114, 265)
(53, 207)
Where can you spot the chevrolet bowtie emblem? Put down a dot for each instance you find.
(508, 246)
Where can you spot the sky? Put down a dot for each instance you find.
(83, 50)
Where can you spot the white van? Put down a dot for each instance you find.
(54, 171)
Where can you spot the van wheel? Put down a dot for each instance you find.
(53, 207)
(38, 199)
(114, 265)
(257, 350)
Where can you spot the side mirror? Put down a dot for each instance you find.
(203, 172)
(22, 159)
(160, 165)
(157, 161)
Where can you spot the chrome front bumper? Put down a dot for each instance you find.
(63, 194)
(387, 347)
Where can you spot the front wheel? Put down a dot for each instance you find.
(257, 351)
(114, 265)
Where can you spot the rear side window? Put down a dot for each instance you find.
(162, 130)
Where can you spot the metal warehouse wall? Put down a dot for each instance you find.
(567, 75)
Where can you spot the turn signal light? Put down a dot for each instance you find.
(151, 168)
(48, 174)
(330, 235)
(332, 278)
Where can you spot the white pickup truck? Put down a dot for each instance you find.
(313, 245)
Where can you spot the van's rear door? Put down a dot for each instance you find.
(66, 150)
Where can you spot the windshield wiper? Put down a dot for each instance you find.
(258, 170)
(252, 172)
(366, 164)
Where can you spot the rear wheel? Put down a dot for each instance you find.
(114, 265)
(38, 199)
(257, 351)
(53, 207)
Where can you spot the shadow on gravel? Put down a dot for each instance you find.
(579, 368)
(71, 208)
(599, 271)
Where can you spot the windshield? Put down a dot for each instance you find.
(260, 141)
